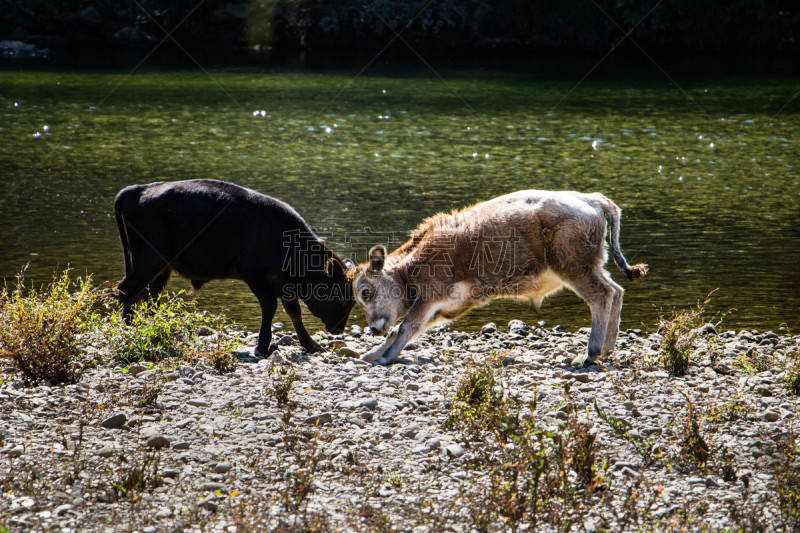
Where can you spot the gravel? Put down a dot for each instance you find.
(215, 452)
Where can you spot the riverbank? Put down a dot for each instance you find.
(179, 447)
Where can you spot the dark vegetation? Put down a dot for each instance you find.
(437, 25)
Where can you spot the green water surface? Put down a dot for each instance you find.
(705, 172)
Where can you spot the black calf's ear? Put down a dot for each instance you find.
(349, 269)
(377, 256)
(331, 264)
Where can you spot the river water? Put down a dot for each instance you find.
(705, 171)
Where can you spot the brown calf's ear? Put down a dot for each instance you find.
(377, 256)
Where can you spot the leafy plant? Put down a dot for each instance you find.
(141, 474)
(787, 482)
(532, 474)
(693, 444)
(733, 409)
(41, 331)
(481, 406)
(282, 376)
(150, 394)
(678, 335)
(218, 353)
(792, 379)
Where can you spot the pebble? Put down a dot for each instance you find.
(62, 509)
(116, 421)
(106, 451)
(158, 442)
(318, 420)
(455, 450)
(211, 486)
(348, 352)
(518, 327)
(135, 369)
(15, 451)
(222, 468)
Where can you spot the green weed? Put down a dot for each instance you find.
(679, 333)
(481, 406)
(137, 475)
(787, 482)
(532, 475)
(218, 353)
(792, 379)
(282, 376)
(693, 445)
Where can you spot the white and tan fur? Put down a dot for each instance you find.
(524, 245)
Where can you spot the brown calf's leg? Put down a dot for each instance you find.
(417, 321)
(599, 294)
(613, 318)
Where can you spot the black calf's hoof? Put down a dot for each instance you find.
(313, 348)
(258, 353)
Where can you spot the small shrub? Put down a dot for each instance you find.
(532, 475)
(693, 445)
(787, 482)
(735, 408)
(149, 394)
(298, 479)
(582, 450)
(678, 335)
(792, 379)
(282, 376)
(41, 331)
(221, 357)
(218, 354)
(481, 406)
(139, 475)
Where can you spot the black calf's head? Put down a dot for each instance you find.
(330, 297)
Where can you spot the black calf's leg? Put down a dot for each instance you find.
(292, 308)
(158, 283)
(132, 289)
(268, 304)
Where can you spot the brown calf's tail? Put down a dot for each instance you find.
(633, 272)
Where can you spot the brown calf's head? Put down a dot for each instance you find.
(377, 292)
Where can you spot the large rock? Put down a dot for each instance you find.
(19, 49)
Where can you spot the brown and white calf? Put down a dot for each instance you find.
(524, 245)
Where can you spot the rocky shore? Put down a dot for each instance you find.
(178, 447)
